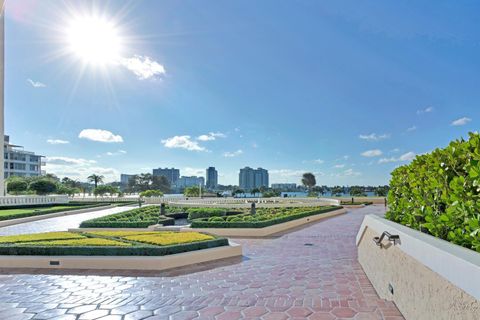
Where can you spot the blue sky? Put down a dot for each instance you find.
(348, 90)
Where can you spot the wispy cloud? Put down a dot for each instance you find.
(188, 171)
(143, 67)
(78, 168)
(339, 166)
(374, 136)
(412, 128)
(116, 153)
(232, 154)
(372, 153)
(100, 135)
(290, 175)
(57, 141)
(461, 122)
(211, 136)
(425, 110)
(36, 84)
(182, 142)
(404, 157)
(319, 161)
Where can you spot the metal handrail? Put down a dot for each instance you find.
(395, 238)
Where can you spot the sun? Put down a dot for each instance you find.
(95, 40)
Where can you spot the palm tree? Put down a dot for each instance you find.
(96, 179)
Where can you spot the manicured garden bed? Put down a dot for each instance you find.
(150, 215)
(356, 203)
(108, 243)
(29, 211)
(135, 218)
(264, 217)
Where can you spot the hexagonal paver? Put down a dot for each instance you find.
(275, 316)
(343, 312)
(138, 315)
(95, 314)
(321, 316)
(211, 311)
(254, 312)
(299, 312)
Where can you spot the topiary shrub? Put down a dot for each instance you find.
(196, 213)
(438, 193)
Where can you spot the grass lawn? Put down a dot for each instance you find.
(16, 213)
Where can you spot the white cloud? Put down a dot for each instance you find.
(68, 161)
(289, 175)
(79, 168)
(426, 110)
(182, 142)
(339, 166)
(372, 153)
(116, 153)
(404, 157)
(99, 135)
(374, 136)
(143, 67)
(351, 172)
(412, 128)
(211, 136)
(319, 161)
(395, 150)
(461, 122)
(188, 171)
(232, 154)
(36, 84)
(57, 141)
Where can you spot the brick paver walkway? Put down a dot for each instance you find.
(310, 273)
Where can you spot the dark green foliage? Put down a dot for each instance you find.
(263, 218)
(136, 218)
(16, 185)
(141, 250)
(195, 213)
(43, 186)
(439, 193)
(54, 209)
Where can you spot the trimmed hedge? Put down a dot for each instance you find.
(237, 222)
(76, 206)
(111, 251)
(438, 193)
(196, 213)
(136, 218)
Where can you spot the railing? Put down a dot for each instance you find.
(246, 202)
(394, 238)
(32, 200)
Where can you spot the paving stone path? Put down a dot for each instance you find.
(310, 273)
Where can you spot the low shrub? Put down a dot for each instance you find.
(108, 243)
(41, 210)
(135, 218)
(438, 193)
(196, 213)
(263, 218)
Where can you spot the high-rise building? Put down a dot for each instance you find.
(172, 174)
(125, 178)
(193, 181)
(253, 178)
(212, 178)
(18, 162)
(284, 186)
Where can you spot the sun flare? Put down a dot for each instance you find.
(94, 40)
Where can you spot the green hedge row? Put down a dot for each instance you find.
(196, 213)
(439, 193)
(48, 211)
(111, 251)
(204, 223)
(135, 218)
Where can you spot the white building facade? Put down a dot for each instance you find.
(20, 163)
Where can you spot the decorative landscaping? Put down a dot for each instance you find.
(438, 193)
(136, 218)
(29, 211)
(150, 215)
(108, 243)
(263, 217)
(356, 203)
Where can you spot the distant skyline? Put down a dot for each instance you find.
(347, 90)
